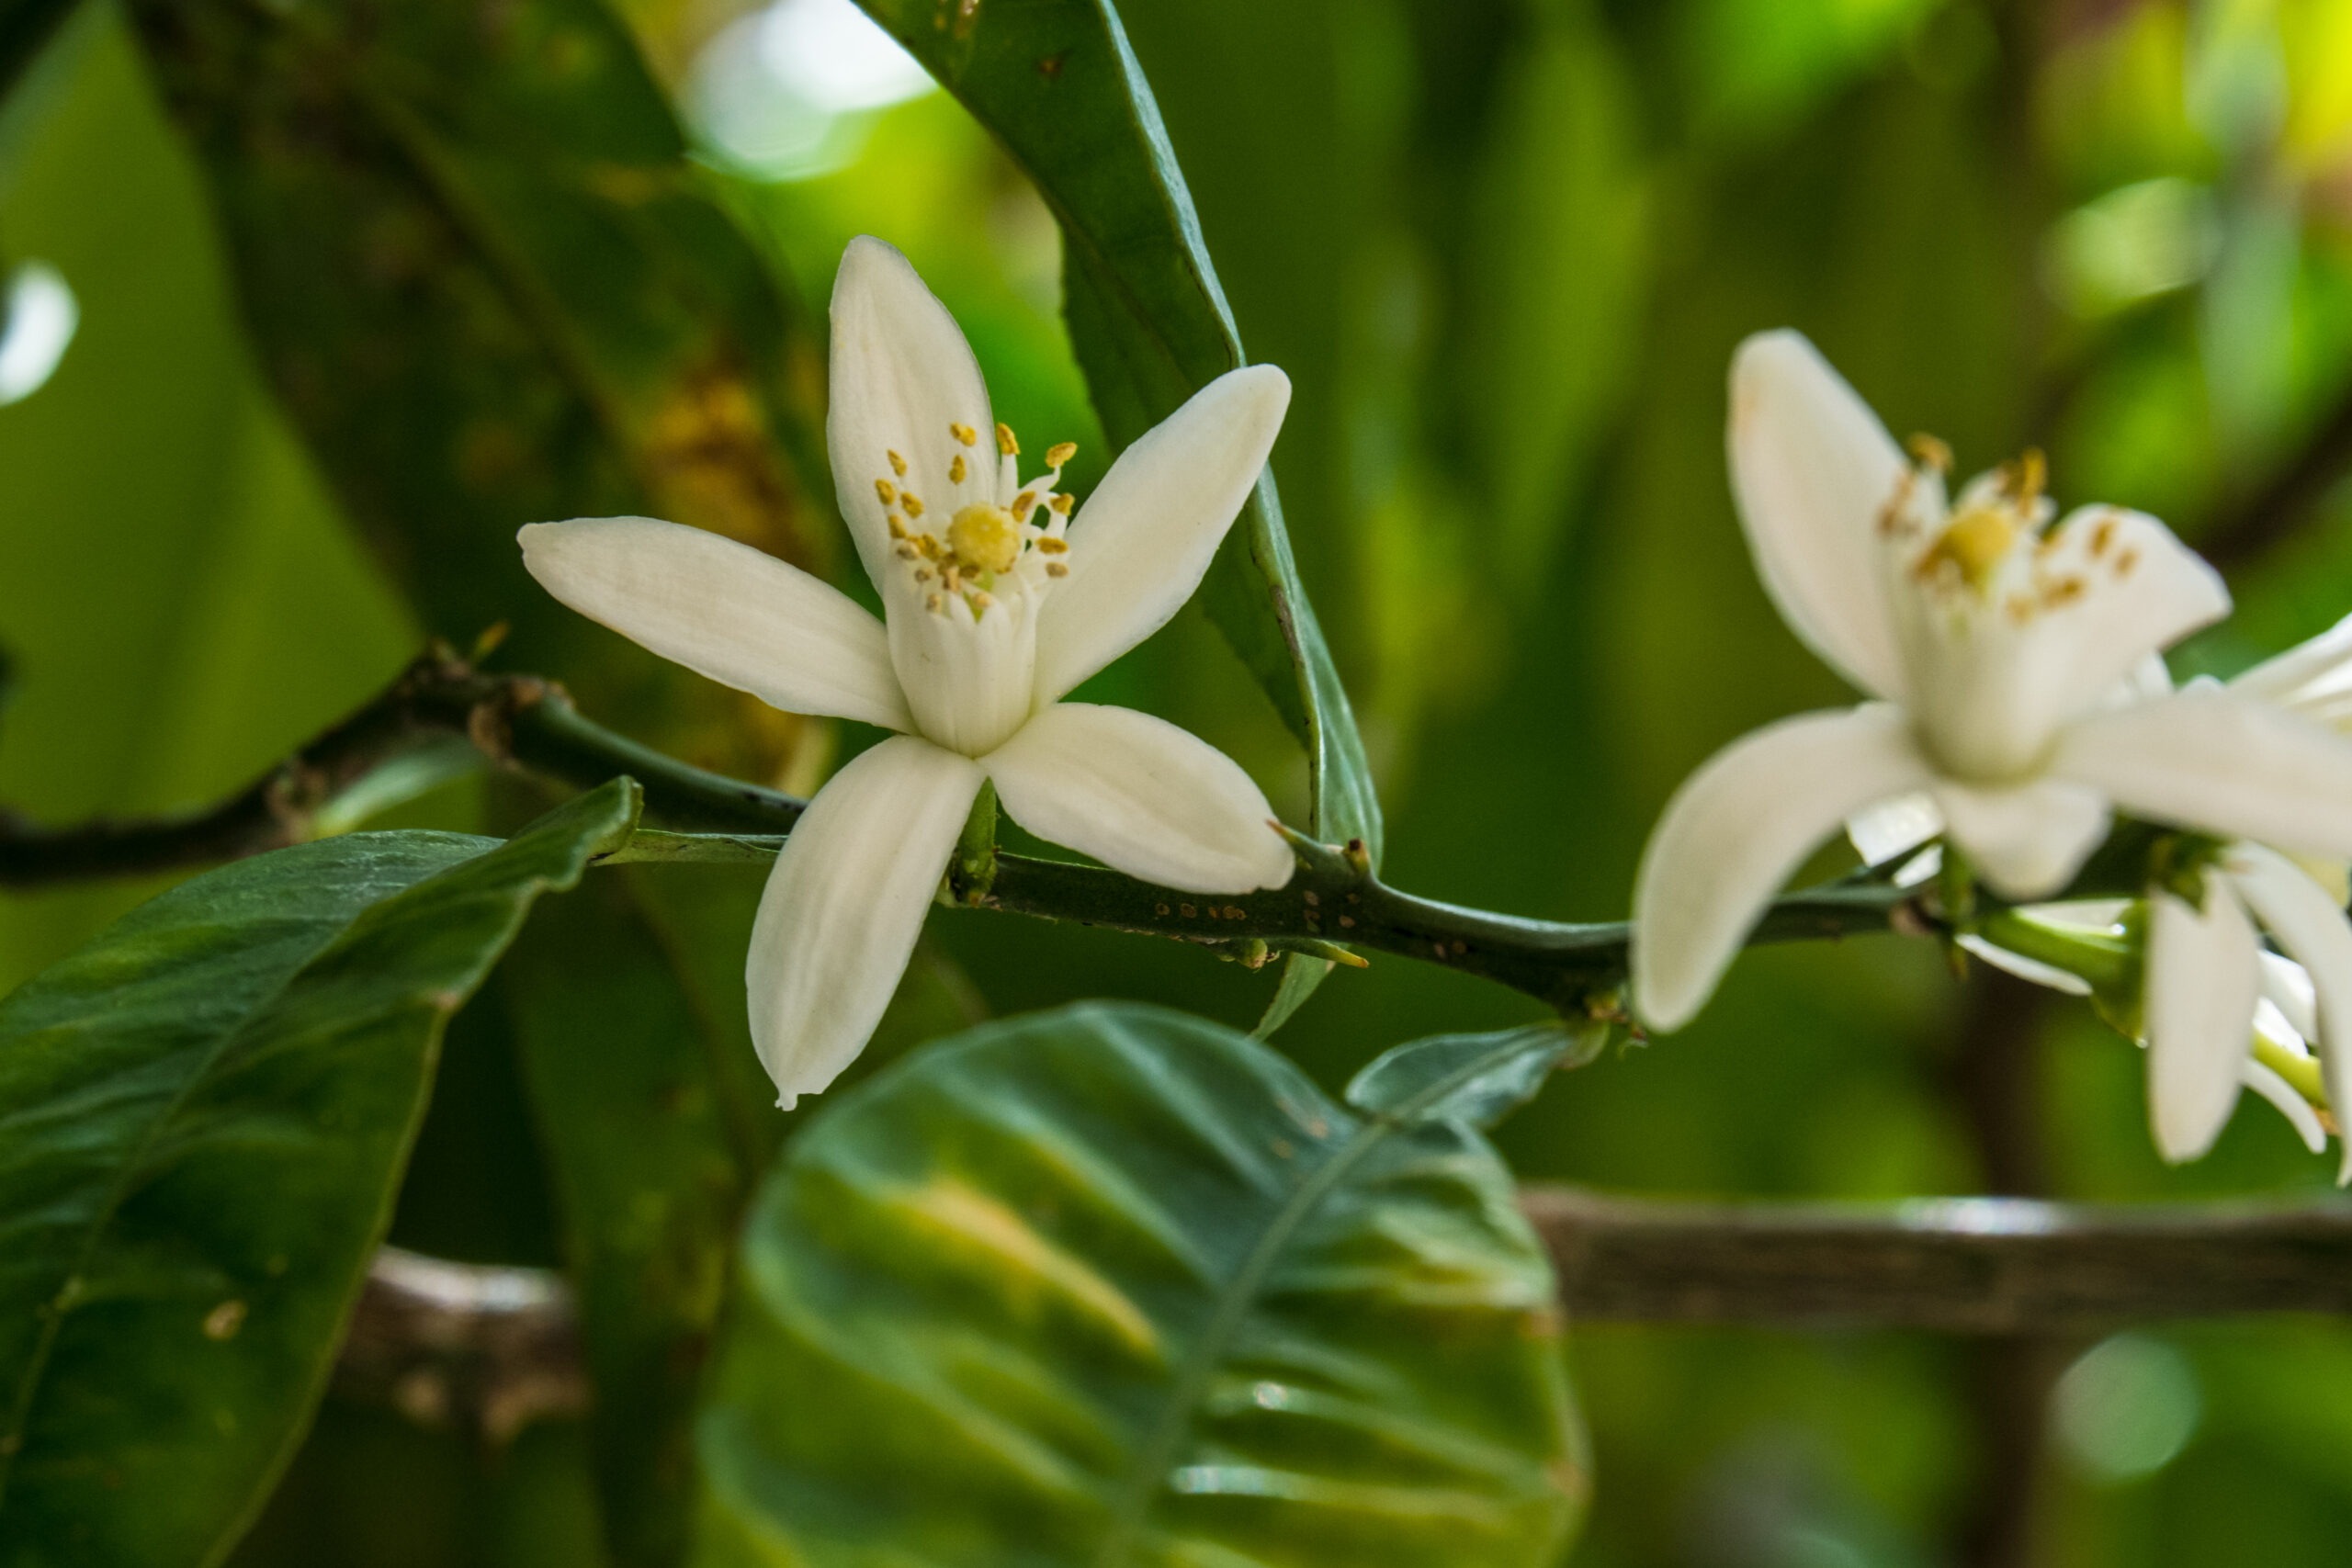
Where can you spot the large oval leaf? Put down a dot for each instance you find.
(1113, 1285)
(203, 1117)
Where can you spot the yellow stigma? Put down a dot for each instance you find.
(985, 538)
(1975, 542)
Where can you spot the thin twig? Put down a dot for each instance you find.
(488, 1349)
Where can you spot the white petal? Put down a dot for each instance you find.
(2203, 980)
(1142, 796)
(966, 677)
(2028, 840)
(2312, 930)
(2025, 968)
(2292, 1106)
(2065, 626)
(901, 375)
(1813, 468)
(1139, 545)
(845, 903)
(2222, 764)
(1735, 830)
(2286, 986)
(2310, 672)
(1883, 832)
(724, 610)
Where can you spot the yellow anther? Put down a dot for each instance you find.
(2102, 537)
(911, 502)
(1060, 503)
(1051, 545)
(1004, 441)
(955, 470)
(1057, 568)
(898, 464)
(1060, 452)
(1975, 543)
(907, 552)
(963, 433)
(2125, 562)
(2028, 476)
(886, 490)
(1930, 452)
(928, 545)
(933, 603)
(1022, 503)
(898, 527)
(985, 538)
(980, 601)
(923, 574)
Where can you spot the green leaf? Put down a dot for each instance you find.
(1113, 1285)
(206, 1113)
(1476, 1079)
(1057, 82)
(491, 289)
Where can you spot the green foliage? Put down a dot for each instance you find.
(1473, 1078)
(208, 1110)
(1112, 1285)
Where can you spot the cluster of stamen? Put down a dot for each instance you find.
(1974, 542)
(983, 543)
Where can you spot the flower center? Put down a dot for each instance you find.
(1994, 511)
(985, 538)
(988, 548)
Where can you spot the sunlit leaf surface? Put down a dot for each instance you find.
(1114, 1286)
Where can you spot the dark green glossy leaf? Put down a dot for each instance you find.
(491, 289)
(1057, 80)
(1476, 1079)
(206, 1116)
(1113, 1285)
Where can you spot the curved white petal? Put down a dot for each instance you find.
(1141, 796)
(2286, 986)
(2027, 839)
(2220, 763)
(2024, 968)
(1139, 545)
(966, 675)
(724, 610)
(2311, 673)
(2203, 980)
(2313, 930)
(1814, 470)
(1735, 830)
(2292, 1106)
(1884, 830)
(845, 905)
(902, 375)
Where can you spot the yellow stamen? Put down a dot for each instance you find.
(1051, 545)
(1060, 453)
(1060, 503)
(1021, 504)
(2030, 476)
(898, 528)
(963, 433)
(1975, 543)
(1005, 442)
(985, 538)
(1057, 568)
(898, 464)
(955, 470)
(886, 490)
(911, 502)
(1930, 452)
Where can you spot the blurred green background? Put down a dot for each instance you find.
(1504, 249)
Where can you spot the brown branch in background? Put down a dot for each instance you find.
(2272, 513)
(488, 1349)
(475, 1348)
